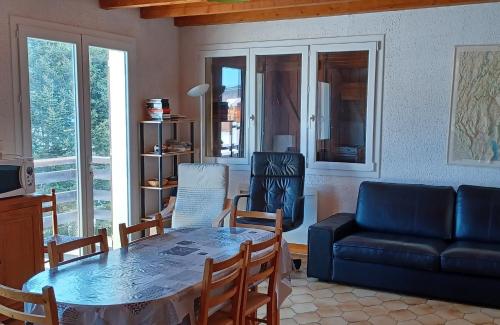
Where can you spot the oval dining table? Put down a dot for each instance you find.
(153, 281)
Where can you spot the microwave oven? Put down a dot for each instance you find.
(17, 177)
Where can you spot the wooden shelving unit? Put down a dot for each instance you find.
(160, 126)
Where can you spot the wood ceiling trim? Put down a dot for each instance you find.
(117, 4)
(317, 10)
(214, 8)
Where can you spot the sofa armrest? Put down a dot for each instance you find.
(321, 237)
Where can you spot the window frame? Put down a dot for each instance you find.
(369, 166)
(249, 136)
(282, 50)
(375, 42)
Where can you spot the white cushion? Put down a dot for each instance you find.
(201, 193)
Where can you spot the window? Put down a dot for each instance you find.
(278, 93)
(342, 78)
(225, 107)
(317, 99)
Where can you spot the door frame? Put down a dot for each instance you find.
(20, 29)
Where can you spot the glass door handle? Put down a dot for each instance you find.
(252, 118)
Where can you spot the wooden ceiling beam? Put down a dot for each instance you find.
(214, 8)
(317, 10)
(119, 4)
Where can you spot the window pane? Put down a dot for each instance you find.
(278, 102)
(108, 109)
(225, 107)
(341, 106)
(53, 108)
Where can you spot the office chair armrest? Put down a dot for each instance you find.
(237, 199)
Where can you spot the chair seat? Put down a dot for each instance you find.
(59, 239)
(220, 318)
(391, 249)
(254, 301)
(472, 258)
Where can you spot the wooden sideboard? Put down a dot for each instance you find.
(21, 240)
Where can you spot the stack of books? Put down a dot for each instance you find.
(158, 108)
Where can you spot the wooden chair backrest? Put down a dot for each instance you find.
(217, 290)
(46, 298)
(265, 266)
(157, 224)
(277, 217)
(56, 252)
(52, 208)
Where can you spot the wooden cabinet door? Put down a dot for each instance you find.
(17, 256)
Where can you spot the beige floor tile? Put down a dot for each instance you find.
(289, 321)
(300, 290)
(325, 302)
(350, 306)
(413, 300)
(300, 299)
(494, 313)
(307, 318)
(370, 301)
(423, 309)
(394, 305)
(319, 285)
(458, 322)
(286, 313)
(322, 293)
(343, 297)
(386, 296)
(382, 320)
(448, 313)
(355, 316)
(337, 288)
(478, 318)
(333, 321)
(329, 311)
(402, 315)
(358, 292)
(409, 322)
(430, 319)
(304, 308)
(376, 310)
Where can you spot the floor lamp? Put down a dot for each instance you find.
(199, 91)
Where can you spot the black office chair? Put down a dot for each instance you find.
(276, 182)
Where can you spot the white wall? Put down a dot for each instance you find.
(419, 54)
(156, 56)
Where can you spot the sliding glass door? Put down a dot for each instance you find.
(75, 103)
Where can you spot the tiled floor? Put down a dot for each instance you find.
(326, 303)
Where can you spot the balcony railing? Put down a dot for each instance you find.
(52, 178)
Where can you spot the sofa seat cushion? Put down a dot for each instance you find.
(473, 258)
(391, 249)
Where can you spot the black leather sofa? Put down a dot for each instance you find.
(423, 240)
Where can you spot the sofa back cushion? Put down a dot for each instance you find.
(478, 214)
(409, 209)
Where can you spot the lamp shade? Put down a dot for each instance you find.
(198, 91)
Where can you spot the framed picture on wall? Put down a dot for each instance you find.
(474, 136)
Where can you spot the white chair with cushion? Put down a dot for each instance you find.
(201, 196)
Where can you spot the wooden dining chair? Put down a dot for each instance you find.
(46, 298)
(265, 220)
(264, 267)
(56, 251)
(50, 202)
(222, 284)
(156, 224)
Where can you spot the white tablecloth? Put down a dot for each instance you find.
(154, 281)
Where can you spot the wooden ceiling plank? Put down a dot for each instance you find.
(119, 4)
(318, 10)
(214, 8)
